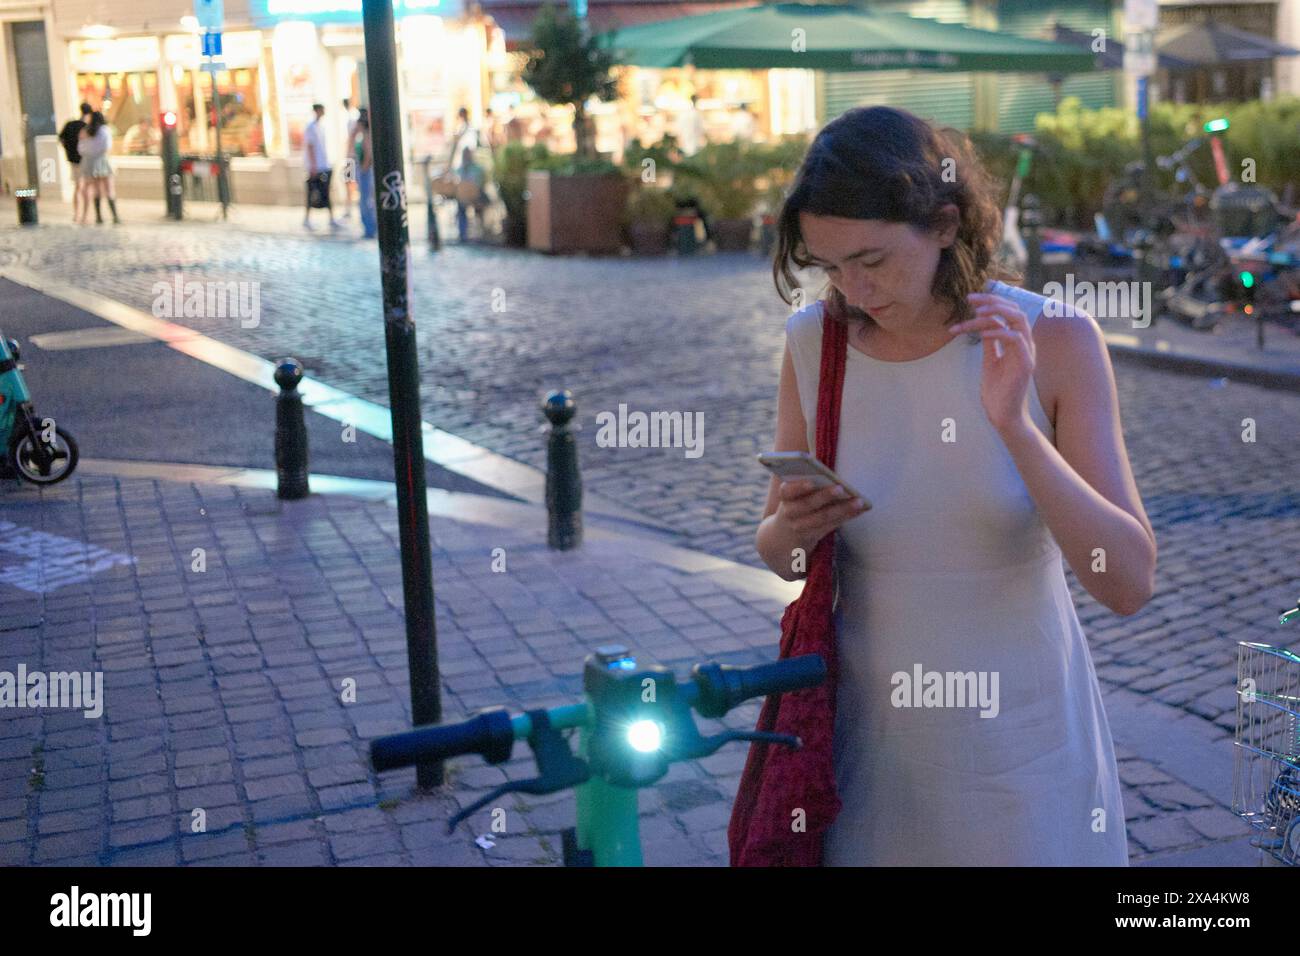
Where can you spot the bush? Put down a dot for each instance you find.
(779, 162)
(726, 176)
(511, 174)
(650, 204)
(665, 155)
(572, 164)
(1080, 151)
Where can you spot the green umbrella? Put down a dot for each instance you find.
(834, 37)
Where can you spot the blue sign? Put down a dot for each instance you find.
(1142, 97)
(212, 44)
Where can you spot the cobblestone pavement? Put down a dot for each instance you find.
(224, 689)
(706, 335)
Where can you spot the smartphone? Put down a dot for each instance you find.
(796, 465)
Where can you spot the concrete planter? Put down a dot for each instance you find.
(648, 238)
(732, 235)
(578, 213)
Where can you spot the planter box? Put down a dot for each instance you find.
(732, 235)
(649, 238)
(575, 213)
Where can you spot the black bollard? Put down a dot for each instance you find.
(290, 433)
(430, 214)
(563, 482)
(26, 207)
(1031, 221)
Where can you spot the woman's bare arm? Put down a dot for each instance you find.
(1084, 486)
(797, 515)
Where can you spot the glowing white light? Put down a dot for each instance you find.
(645, 736)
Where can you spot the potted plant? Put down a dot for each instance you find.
(511, 173)
(727, 175)
(576, 203)
(780, 161)
(649, 217)
(646, 164)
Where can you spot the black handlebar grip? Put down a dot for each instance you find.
(722, 687)
(490, 733)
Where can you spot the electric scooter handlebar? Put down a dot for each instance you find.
(721, 687)
(491, 734)
(713, 691)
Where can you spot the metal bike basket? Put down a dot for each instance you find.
(1266, 784)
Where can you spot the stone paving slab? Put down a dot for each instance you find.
(224, 709)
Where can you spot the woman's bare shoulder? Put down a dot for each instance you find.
(805, 325)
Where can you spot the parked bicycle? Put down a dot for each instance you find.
(633, 723)
(1266, 780)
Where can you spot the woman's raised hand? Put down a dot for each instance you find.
(1006, 378)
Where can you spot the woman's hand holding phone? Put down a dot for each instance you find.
(810, 513)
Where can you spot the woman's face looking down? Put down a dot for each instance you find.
(886, 269)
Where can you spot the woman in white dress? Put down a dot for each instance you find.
(95, 145)
(984, 431)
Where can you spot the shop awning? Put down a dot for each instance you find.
(835, 38)
(515, 17)
(1212, 44)
(1112, 58)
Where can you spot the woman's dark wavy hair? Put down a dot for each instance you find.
(883, 163)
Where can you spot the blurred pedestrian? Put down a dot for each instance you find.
(690, 128)
(350, 185)
(316, 160)
(469, 193)
(464, 136)
(70, 138)
(94, 144)
(492, 132)
(364, 161)
(515, 128)
(743, 125)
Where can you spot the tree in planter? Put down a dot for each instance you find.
(567, 69)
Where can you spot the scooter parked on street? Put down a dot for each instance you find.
(634, 722)
(36, 449)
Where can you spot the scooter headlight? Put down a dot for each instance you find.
(645, 736)
(14, 352)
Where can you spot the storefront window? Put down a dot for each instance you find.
(129, 102)
(241, 112)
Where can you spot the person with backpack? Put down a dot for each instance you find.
(70, 137)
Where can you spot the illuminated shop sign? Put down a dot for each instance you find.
(345, 10)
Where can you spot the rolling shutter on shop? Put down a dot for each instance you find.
(1023, 95)
(943, 97)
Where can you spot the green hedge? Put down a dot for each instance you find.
(1080, 150)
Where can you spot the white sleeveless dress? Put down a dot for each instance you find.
(953, 571)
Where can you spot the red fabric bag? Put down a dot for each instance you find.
(778, 780)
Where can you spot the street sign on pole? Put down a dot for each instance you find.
(1140, 53)
(1139, 15)
(211, 44)
(210, 14)
(403, 374)
(1141, 18)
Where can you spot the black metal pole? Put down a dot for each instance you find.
(403, 374)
